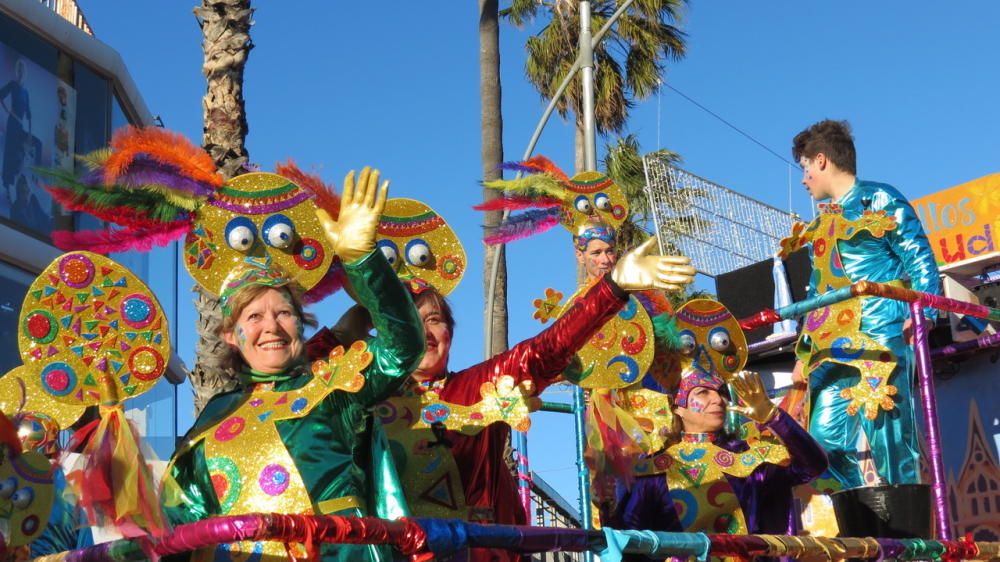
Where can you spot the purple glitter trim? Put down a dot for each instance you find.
(258, 209)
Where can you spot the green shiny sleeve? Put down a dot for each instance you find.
(399, 343)
(197, 499)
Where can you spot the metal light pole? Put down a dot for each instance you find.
(542, 121)
(586, 58)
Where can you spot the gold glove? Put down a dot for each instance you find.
(353, 235)
(639, 271)
(750, 390)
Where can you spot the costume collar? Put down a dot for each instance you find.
(699, 437)
(250, 377)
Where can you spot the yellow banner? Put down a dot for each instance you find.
(962, 222)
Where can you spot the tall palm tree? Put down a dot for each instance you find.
(225, 29)
(629, 62)
(491, 126)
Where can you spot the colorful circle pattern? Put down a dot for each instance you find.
(58, 379)
(308, 253)
(76, 270)
(29, 526)
(40, 326)
(450, 267)
(230, 428)
(274, 479)
(225, 477)
(137, 310)
(145, 363)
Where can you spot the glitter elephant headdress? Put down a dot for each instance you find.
(547, 197)
(156, 187)
(421, 246)
(712, 344)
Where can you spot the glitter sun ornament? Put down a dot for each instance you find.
(93, 334)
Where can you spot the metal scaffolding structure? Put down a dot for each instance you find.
(719, 229)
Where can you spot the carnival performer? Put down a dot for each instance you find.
(288, 440)
(760, 481)
(868, 231)
(692, 475)
(479, 478)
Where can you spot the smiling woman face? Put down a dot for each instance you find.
(268, 332)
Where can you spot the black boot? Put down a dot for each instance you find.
(898, 511)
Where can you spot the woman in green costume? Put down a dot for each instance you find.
(295, 439)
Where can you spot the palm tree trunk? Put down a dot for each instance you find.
(491, 122)
(225, 28)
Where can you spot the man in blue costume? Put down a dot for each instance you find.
(868, 231)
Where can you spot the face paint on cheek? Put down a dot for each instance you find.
(241, 338)
(696, 405)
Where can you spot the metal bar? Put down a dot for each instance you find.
(955, 348)
(925, 374)
(523, 474)
(583, 478)
(560, 407)
(586, 59)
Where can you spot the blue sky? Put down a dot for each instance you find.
(395, 85)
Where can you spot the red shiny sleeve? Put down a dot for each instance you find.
(545, 356)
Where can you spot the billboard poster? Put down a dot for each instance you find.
(37, 120)
(962, 222)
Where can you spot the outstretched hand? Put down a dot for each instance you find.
(638, 270)
(361, 207)
(750, 389)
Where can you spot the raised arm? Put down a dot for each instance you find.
(399, 345)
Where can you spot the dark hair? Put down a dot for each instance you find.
(832, 138)
(431, 295)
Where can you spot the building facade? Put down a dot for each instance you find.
(62, 93)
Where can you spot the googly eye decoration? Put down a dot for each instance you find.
(602, 202)
(688, 342)
(431, 252)
(278, 232)
(418, 253)
(91, 333)
(718, 340)
(279, 214)
(390, 251)
(241, 233)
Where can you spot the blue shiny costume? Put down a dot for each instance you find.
(900, 253)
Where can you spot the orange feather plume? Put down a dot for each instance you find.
(164, 146)
(543, 164)
(324, 194)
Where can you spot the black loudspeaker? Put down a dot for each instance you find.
(748, 290)
(988, 294)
